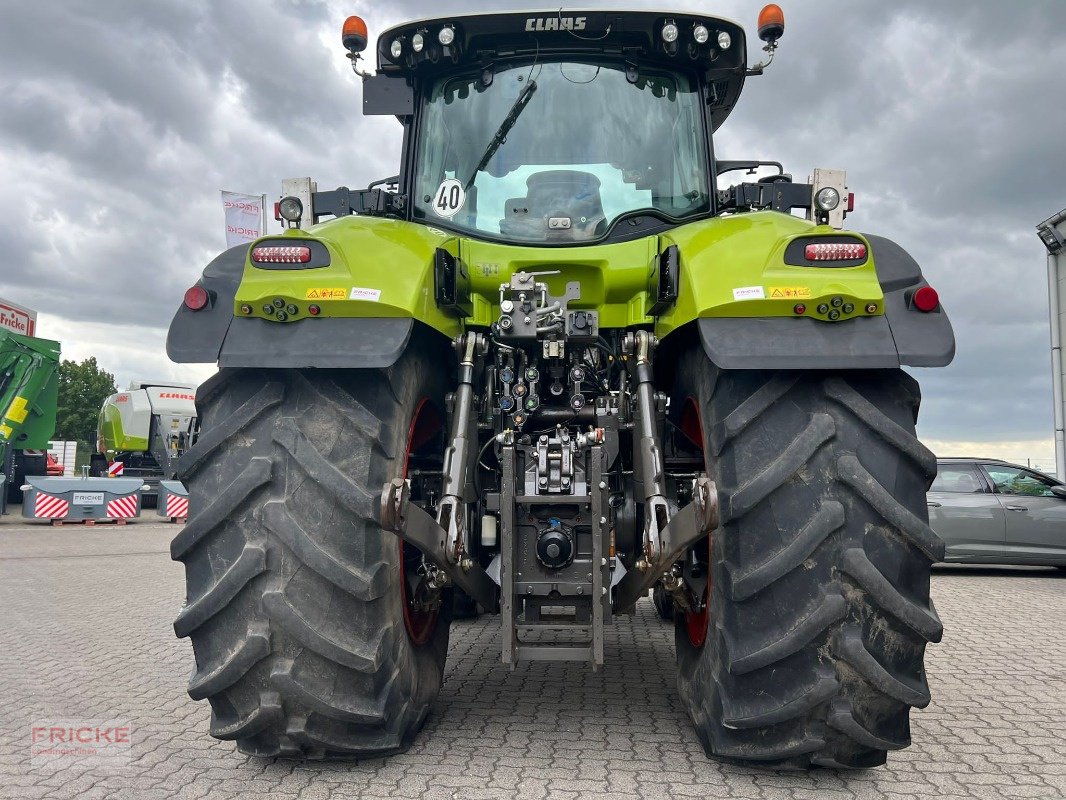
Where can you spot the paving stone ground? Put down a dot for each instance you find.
(87, 635)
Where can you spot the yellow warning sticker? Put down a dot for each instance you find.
(17, 411)
(5, 432)
(334, 293)
(788, 292)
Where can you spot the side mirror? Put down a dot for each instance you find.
(1059, 491)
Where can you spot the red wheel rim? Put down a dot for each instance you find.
(696, 624)
(419, 623)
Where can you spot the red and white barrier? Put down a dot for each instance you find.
(122, 508)
(177, 506)
(46, 506)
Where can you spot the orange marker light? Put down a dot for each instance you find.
(771, 23)
(353, 34)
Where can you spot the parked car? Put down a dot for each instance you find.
(990, 512)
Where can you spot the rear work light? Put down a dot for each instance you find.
(282, 254)
(926, 299)
(834, 251)
(195, 298)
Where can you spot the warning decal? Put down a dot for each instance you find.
(789, 292)
(333, 293)
(17, 411)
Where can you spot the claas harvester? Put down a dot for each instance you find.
(556, 363)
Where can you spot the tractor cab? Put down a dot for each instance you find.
(554, 129)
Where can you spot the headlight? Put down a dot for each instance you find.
(827, 199)
(669, 33)
(701, 34)
(446, 35)
(291, 209)
(418, 42)
(396, 48)
(724, 40)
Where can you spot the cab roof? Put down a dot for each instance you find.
(634, 37)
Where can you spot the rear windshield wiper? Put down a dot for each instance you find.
(505, 126)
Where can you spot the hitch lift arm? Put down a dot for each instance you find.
(666, 537)
(445, 540)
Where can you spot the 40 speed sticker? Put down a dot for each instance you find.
(449, 198)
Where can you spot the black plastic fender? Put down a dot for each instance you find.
(900, 337)
(213, 334)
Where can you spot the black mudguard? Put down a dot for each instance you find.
(901, 337)
(213, 334)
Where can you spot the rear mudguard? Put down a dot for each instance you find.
(903, 336)
(213, 334)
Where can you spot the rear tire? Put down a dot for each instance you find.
(820, 608)
(295, 603)
(663, 602)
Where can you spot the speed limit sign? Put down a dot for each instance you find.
(449, 198)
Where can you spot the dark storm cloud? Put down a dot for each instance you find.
(942, 115)
(120, 124)
(119, 129)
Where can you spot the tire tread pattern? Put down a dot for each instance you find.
(293, 602)
(820, 608)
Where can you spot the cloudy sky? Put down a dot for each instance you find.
(122, 120)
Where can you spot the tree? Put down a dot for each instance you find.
(82, 389)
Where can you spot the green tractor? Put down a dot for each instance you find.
(555, 363)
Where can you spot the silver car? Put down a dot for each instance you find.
(991, 512)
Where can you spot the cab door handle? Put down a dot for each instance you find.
(932, 503)
(1017, 508)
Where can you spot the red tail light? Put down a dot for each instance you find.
(834, 251)
(281, 254)
(926, 299)
(195, 298)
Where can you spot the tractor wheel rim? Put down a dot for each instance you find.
(697, 623)
(420, 623)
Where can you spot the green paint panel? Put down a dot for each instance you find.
(112, 437)
(29, 391)
(613, 277)
(746, 252)
(730, 266)
(390, 262)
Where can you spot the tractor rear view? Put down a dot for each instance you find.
(557, 362)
